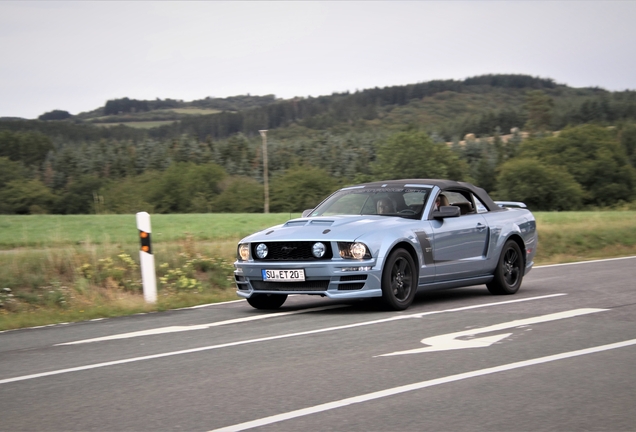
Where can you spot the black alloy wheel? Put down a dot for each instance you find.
(399, 280)
(509, 272)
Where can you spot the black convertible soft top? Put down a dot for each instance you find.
(442, 184)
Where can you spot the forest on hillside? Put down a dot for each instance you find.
(519, 137)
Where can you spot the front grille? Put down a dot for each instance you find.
(317, 285)
(292, 251)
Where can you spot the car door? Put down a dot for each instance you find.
(459, 245)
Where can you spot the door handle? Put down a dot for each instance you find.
(481, 227)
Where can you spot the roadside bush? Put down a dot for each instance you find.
(26, 197)
(539, 186)
(193, 272)
(413, 154)
(122, 273)
(594, 157)
(240, 195)
(300, 188)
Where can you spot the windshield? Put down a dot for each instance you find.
(402, 202)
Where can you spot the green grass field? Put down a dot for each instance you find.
(560, 233)
(42, 231)
(139, 124)
(151, 119)
(572, 236)
(192, 111)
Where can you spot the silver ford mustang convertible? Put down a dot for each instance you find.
(390, 240)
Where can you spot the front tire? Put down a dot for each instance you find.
(267, 301)
(399, 280)
(509, 271)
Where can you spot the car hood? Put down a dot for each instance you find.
(333, 228)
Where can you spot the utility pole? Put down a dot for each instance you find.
(265, 173)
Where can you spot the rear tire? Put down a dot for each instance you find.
(267, 301)
(399, 280)
(509, 271)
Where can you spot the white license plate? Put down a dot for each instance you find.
(283, 275)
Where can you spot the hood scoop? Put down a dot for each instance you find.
(321, 222)
(295, 223)
(314, 222)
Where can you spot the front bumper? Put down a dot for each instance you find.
(338, 279)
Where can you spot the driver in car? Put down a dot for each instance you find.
(384, 206)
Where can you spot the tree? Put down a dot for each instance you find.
(240, 195)
(539, 107)
(25, 197)
(300, 188)
(129, 195)
(594, 157)
(182, 183)
(10, 170)
(79, 196)
(125, 105)
(628, 141)
(539, 186)
(55, 115)
(235, 155)
(29, 147)
(413, 154)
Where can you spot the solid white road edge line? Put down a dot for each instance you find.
(264, 339)
(418, 386)
(175, 329)
(584, 262)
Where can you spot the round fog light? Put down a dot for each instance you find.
(318, 250)
(261, 250)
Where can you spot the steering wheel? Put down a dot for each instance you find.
(407, 211)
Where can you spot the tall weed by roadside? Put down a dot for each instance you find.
(90, 281)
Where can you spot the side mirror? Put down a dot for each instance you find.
(307, 212)
(446, 212)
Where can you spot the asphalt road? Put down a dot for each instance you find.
(558, 355)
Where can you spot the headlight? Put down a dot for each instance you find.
(318, 250)
(261, 250)
(244, 251)
(353, 250)
(358, 250)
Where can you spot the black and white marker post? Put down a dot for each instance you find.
(146, 258)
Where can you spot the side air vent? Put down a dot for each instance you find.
(353, 282)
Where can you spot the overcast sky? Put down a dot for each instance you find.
(77, 55)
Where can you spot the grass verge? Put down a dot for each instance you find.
(56, 269)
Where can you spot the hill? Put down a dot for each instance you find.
(153, 113)
(448, 109)
(206, 155)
